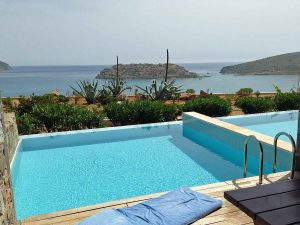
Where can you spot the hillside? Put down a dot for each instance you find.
(4, 66)
(146, 71)
(286, 64)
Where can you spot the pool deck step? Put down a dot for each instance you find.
(228, 214)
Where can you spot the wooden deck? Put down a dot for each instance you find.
(270, 204)
(227, 215)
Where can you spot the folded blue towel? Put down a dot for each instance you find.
(179, 207)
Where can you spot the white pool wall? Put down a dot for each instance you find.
(232, 136)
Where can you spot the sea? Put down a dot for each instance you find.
(38, 80)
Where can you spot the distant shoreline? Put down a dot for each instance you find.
(288, 64)
(40, 80)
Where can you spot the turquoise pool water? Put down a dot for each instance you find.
(271, 129)
(70, 170)
(268, 123)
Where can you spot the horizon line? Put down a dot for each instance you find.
(58, 65)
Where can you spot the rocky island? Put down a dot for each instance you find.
(4, 66)
(146, 71)
(286, 64)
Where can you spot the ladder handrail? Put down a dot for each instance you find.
(261, 164)
(293, 152)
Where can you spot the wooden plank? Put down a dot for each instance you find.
(239, 195)
(232, 218)
(285, 216)
(268, 203)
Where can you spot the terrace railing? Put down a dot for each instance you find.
(293, 152)
(261, 163)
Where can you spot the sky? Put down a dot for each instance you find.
(93, 32)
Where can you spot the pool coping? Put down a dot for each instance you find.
(98, 129)
(240, 130)
(259, 114)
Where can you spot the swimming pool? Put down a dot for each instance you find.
(58, 171)
(268, 123)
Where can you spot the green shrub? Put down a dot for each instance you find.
(57, 117)
(6, 101)
(286, 101)
(141, 112)
(208, 105)
(244, 92)
(190, 91)
(105, 97)
(49, 98)
(28, 124)
(26, 104)
(60, 117)
(254, 105)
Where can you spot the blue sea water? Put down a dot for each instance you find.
(58, 172)
(43, 79)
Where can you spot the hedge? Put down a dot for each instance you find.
(251, 105)
(286, 101)
(141, 112)
(209, 105)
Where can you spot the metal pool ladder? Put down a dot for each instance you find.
(261, 163)
(293, 152)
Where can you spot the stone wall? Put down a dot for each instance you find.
(8, 143)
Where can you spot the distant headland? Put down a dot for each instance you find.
(4, 66)
(146, 71)
(286, 64)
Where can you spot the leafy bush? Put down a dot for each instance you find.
(208, 105)
(105, 99)
(6, 101)
(26, 104)
(244, 92)
(28, 124)
(257, 93)
(49, 98)
(286, 101)
(141, 112)
(254, 105)
(57, 117)
(190, 91)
